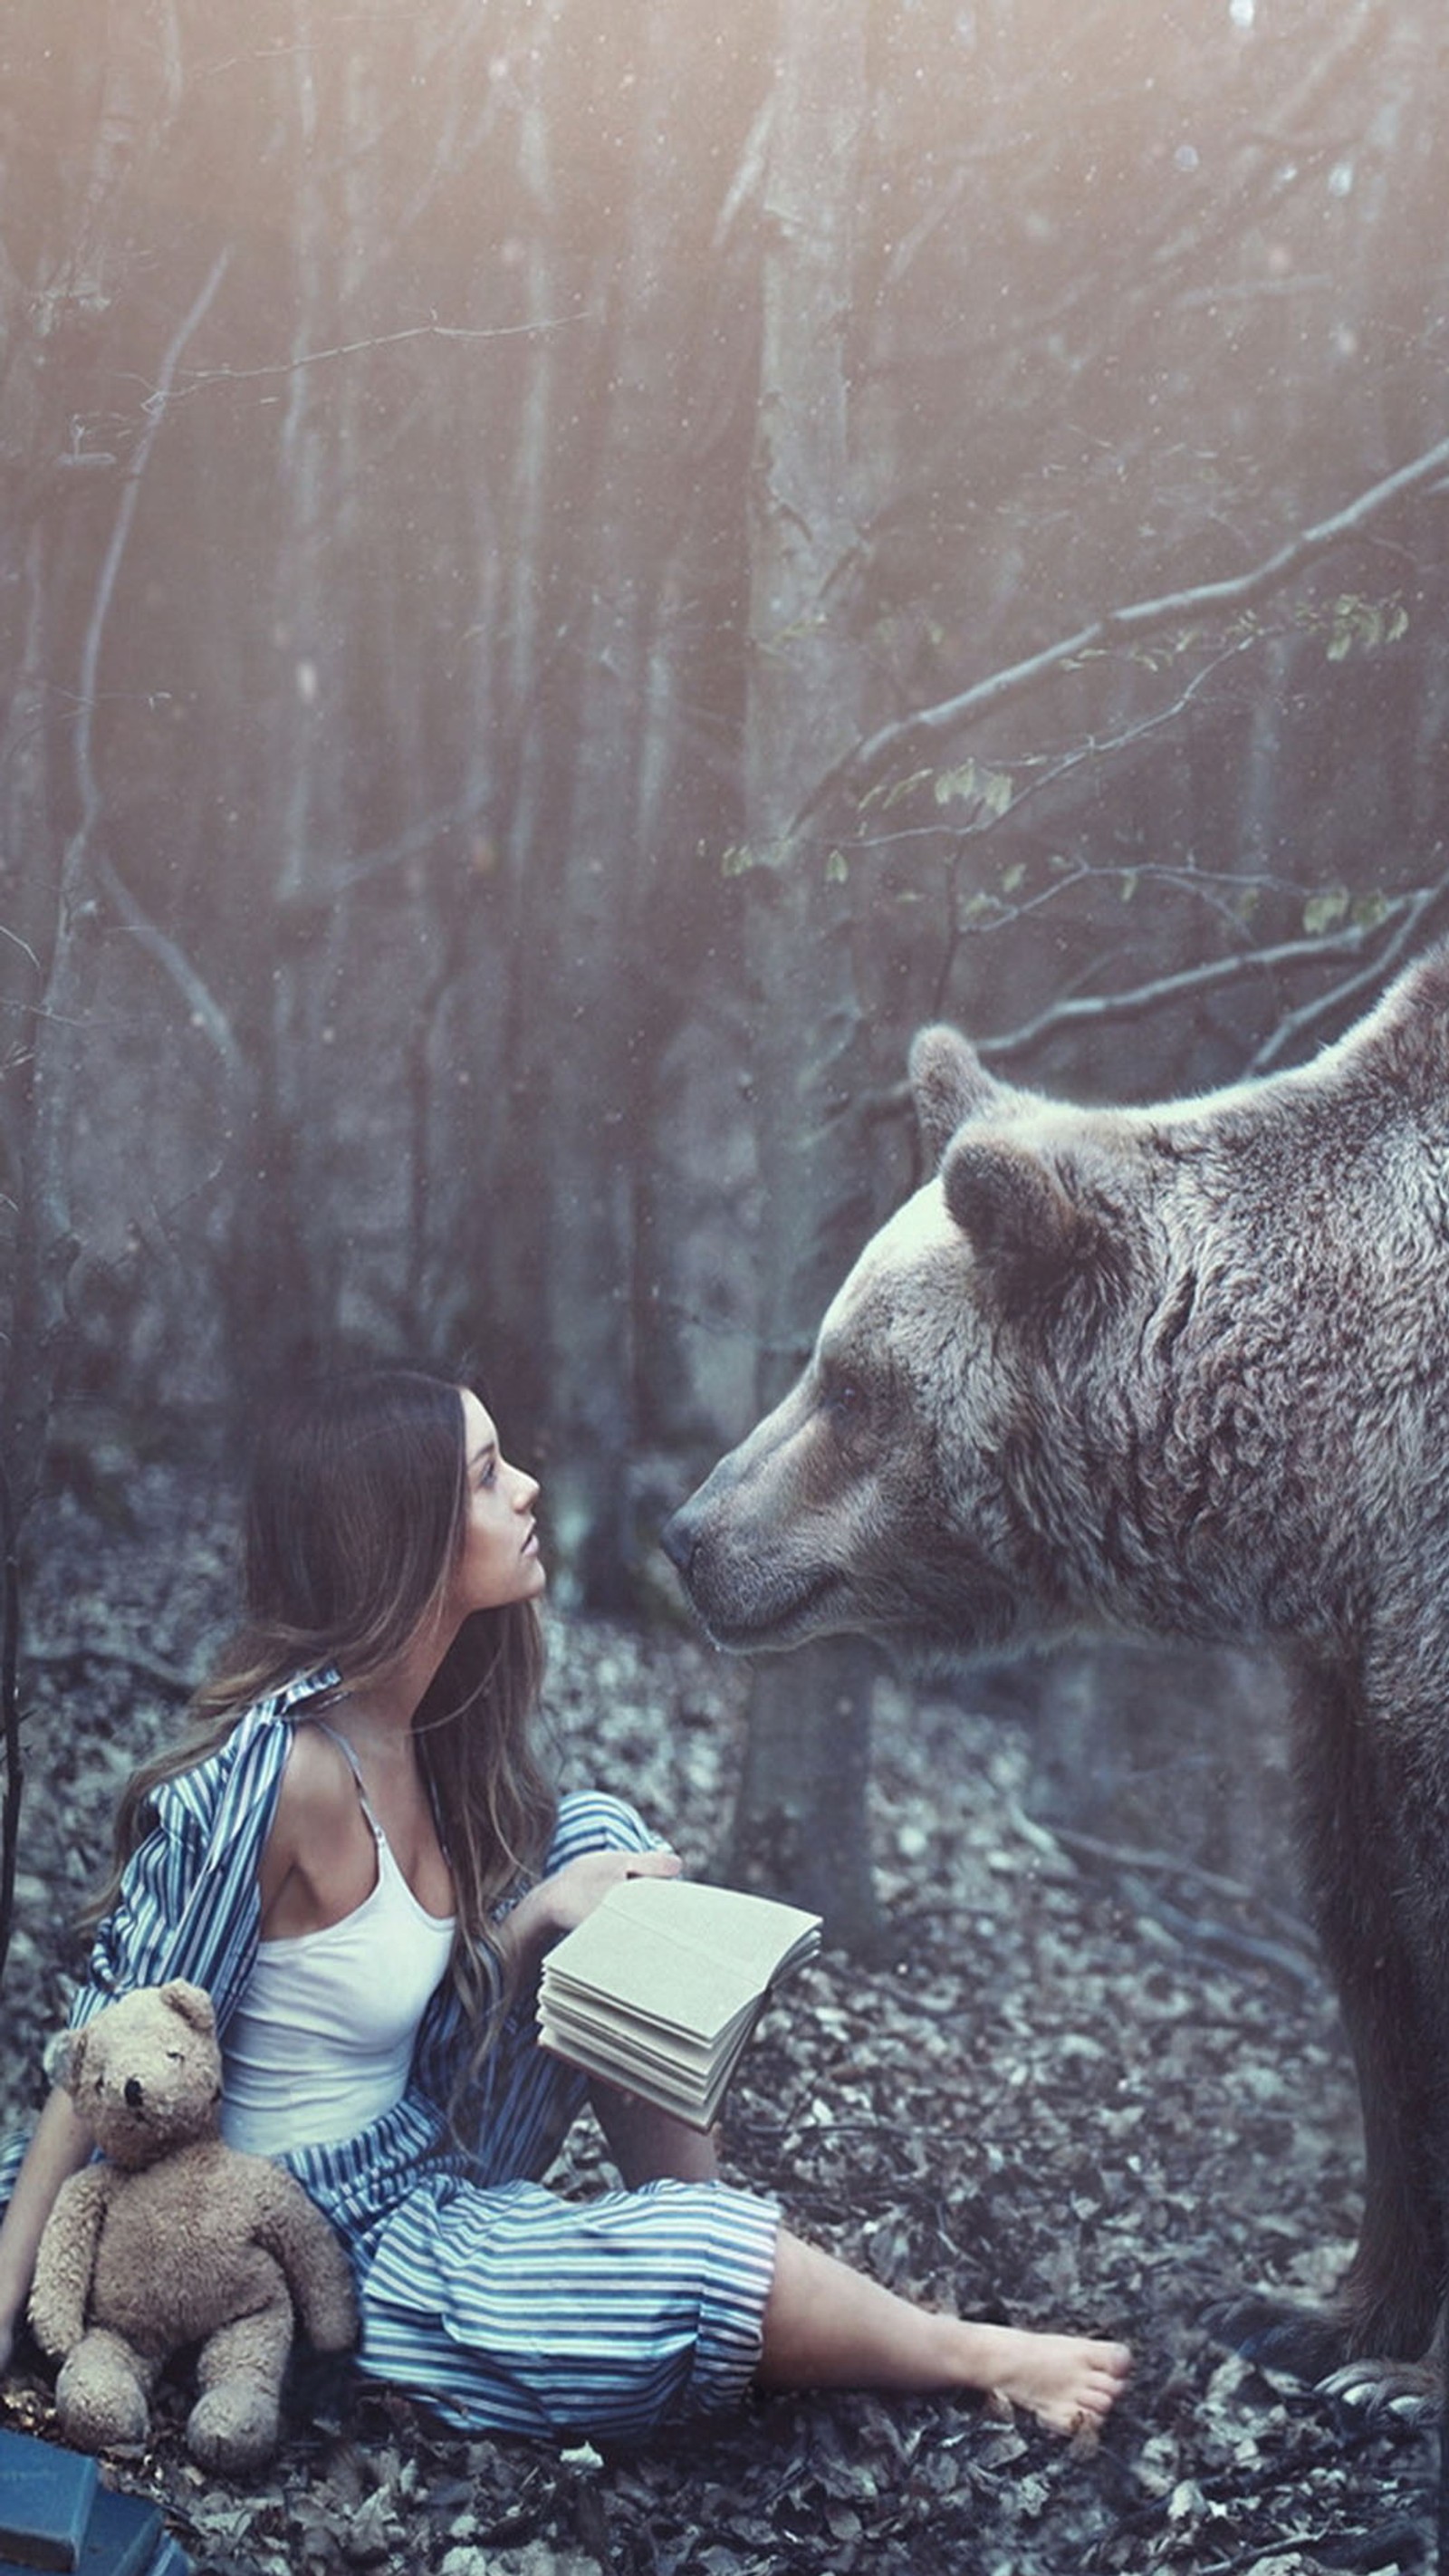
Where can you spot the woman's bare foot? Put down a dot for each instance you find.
(1069, 2383)
(827, 2326)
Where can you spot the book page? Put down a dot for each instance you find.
(683, 1955)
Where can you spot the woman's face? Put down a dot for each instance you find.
(500, 1561)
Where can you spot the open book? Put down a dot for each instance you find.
(660, 1987)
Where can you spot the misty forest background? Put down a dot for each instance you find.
(570, 572)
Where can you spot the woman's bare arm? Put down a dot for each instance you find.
(559, 1902)
(61, 2145)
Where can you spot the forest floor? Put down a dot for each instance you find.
(1051, 2097)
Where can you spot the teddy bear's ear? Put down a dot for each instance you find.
(191, 2003)
(64, 2058)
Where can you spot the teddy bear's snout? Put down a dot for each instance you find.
(135, 2093)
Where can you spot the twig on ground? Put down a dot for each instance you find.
(1291, 1957)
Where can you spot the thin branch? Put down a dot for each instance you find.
(1033, 773)
(203, 377)
(1407, 911)
(1050, 775)
(417, 840)
(202, 1004)
(22, 944)
(906, 735)
(746, 188)
(1298, 1024)
(120, 537)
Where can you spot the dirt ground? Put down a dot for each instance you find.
(1080, 2086)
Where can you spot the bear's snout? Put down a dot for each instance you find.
(135, 2092)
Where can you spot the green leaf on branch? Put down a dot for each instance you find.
(837, 870)
(892, 791)
(990, 789)
(1323, 912)
(1364, 625)
(956, 785)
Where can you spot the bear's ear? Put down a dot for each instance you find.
(192, 2004)
(1031, 1238)
(65, 2056)
(949, 1083)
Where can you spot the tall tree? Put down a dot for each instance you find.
(798, 1818)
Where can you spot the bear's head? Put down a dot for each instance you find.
(889, 1493)
(145, 2074)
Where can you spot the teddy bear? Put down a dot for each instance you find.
(174, 2239)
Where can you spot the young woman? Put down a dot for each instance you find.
(355, 1852)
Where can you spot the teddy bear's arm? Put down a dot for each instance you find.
(319, 2275)
(66, 2258)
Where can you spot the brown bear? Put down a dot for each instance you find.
(1183, 1370)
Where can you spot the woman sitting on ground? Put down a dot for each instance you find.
(355, 1852)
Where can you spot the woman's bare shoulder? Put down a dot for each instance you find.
(318, 1788)
(313, 1852)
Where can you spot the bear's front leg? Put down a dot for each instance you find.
(237, 2417)
(103, 2393)
(1385, 2311)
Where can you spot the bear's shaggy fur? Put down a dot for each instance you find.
(176, 2239)
(1183, 1370)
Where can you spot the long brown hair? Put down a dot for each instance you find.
(356, 1516)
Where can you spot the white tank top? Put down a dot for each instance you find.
(322, 2040)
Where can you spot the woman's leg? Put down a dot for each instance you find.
(649, 2145)
(827, 2326)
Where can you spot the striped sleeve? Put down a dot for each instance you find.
(592, 1820)
(189, 1904)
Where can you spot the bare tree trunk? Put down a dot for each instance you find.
(516, 1009)
(281, 1270)
(592, 946)
(801, 1816)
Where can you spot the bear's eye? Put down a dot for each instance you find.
(174, 2055)
(847, 1403)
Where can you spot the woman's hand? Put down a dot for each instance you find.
(559, 1902)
